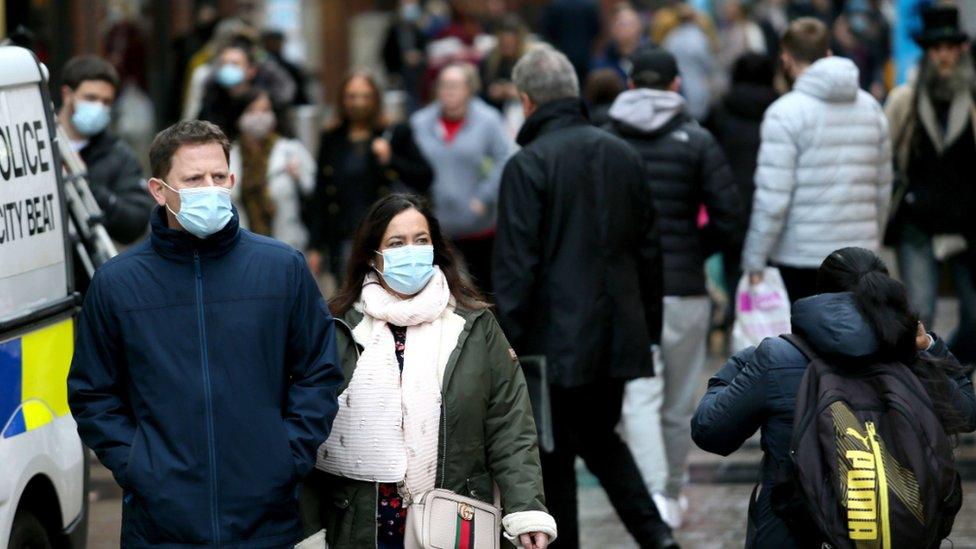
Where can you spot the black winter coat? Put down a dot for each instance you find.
(735, 124)
(118, 184)
(756, 390)
(341, 199)
(685, 168)
(577, 261)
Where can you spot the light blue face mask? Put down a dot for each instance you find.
(90, 117)
(230, 75)
(407, 269)
(203, 210)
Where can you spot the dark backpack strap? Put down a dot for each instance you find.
(801, 346)
(752, 525)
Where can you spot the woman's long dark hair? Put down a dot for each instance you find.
(367, 242)
(883, 302)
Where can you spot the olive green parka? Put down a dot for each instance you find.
(487, 436)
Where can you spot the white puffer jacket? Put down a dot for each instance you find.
(824, 172)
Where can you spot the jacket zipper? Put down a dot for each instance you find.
(208, 401)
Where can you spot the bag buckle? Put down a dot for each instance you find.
(465, 511)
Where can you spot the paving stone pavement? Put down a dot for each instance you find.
(717, 511)
(716, 518)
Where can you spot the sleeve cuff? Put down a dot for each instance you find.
(525, 522)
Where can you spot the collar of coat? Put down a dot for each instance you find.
(181, 245)
(551, 116)
(456, 325)
(961, 110)
(99, 145)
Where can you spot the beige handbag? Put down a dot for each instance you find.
(441, 519)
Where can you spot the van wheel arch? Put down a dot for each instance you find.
(39, 504)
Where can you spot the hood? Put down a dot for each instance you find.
(647, 110)
(749, 100)
(833, 326)
(833, 79)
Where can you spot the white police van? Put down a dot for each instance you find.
(43, 465)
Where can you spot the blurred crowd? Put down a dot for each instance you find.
(766, 134)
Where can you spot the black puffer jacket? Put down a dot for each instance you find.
(118, 184)
(735, 124)
(686, 169)
(577, 262)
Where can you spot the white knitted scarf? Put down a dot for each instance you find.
(387, 426)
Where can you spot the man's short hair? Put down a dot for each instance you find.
(187, 132)
(88, 67)
(806, 40)
(545, 74)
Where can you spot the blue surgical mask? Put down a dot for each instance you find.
(90, 117)
(203, 210)
(230, 75)
(407, 269)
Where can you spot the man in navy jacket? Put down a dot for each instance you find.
(205, 369)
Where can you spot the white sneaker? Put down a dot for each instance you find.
(670, 509)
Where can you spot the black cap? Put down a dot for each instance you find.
(652, 67)
(940, 24)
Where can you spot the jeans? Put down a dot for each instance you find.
(920, 274)
(657, 410)
(584, 420)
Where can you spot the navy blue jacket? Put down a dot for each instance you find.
(756, 389)
(204, 377)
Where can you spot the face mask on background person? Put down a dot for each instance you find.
(90, 117)
(203, 210)
(407, 269)
(257, 124)
(411, 12)
(230, 75)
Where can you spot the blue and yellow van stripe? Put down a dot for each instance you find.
(33, 378)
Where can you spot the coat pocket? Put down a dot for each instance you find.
(481, 487)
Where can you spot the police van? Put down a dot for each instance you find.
(43, 465)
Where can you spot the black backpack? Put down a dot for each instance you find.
(872, 466)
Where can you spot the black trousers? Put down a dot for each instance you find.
(584, 421)
(800, 282)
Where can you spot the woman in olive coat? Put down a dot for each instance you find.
(434, 395)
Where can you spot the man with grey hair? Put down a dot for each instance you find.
(577, 277)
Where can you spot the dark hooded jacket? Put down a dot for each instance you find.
(577, 261)
(756, 390)
(685, 168)
(118, 184)
(735, 122)
(204, 377)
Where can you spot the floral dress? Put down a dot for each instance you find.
(391, 516)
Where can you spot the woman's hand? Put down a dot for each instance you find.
(382, 150)
(534, 540)
(922, 338)
(314, 259)
(294, 167)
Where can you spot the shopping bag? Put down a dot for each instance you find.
(761, 311)
(537, 381)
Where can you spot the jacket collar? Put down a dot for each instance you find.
(960, 113)
(181, 245)
(98, 146)
(552, 116)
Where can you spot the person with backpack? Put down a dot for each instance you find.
(857, 384)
